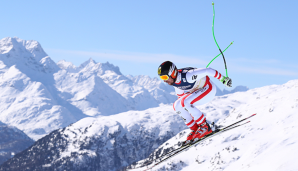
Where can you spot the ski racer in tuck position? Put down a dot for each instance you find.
(193, 87)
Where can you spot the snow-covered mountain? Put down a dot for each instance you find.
(101, 143)
(29, 98)
(161, 92)
(220, 92)
(12, 141)
(38, 96)
(116, 141)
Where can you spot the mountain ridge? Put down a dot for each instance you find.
(39, 95)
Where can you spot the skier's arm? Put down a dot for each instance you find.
(197, 74)
(179, 92)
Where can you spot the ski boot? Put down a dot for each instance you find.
(203, 130)
(189, 138)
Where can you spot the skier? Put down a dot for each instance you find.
(193, 87)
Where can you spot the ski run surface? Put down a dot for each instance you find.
(96, 102)
(268, 142)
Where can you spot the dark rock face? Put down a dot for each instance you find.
(90, 154)
(12, 141)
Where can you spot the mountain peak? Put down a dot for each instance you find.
(107, 66)
(49, 65)
(89, 62)
(66, 65)
(15, 46)
(101, 67)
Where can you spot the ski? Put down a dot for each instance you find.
(226, 127)
(181, 149)
(186, 147)
(196, 143)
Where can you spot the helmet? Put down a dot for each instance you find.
(167, 69)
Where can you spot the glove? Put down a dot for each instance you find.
(226, 81)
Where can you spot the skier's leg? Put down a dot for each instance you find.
(188, 119)
(200, 96)
(185, 115)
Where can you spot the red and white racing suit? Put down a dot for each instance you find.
(194, 87)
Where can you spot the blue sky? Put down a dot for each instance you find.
(139, 35)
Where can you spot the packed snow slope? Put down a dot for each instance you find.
(268, 142)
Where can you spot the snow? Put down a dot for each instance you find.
(39, 96)
(66, 66)
(268, 142)
(131, 124)
(95, 100)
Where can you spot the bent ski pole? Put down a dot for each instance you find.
(221, 52)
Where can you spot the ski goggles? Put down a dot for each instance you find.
(164, 77)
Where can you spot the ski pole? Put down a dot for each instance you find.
(221, 52)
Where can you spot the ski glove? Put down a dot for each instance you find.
(226, 81)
